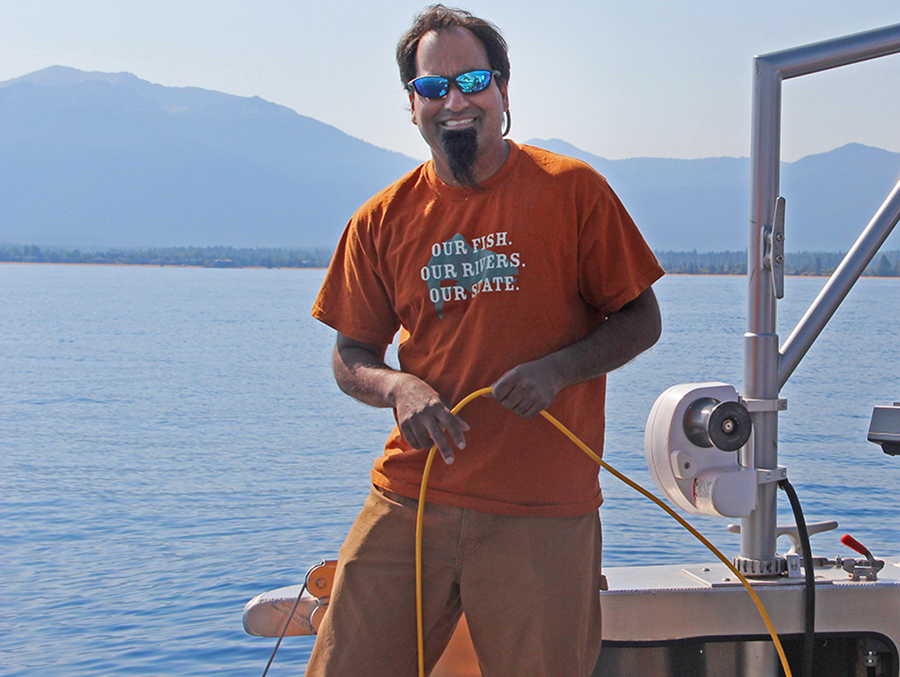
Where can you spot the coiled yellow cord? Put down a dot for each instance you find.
(603, 464)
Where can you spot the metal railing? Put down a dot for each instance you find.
(766, 367)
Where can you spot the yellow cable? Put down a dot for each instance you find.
(603, 464)
(419, 519)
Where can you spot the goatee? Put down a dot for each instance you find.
(460, 148)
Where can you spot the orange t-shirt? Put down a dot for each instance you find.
(482, 280)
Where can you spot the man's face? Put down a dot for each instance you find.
(460, 128)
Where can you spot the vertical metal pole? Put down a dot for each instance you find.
(761, 340)
(762, 360)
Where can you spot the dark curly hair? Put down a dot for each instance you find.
(437, 17)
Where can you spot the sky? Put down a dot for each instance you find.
(632, 78)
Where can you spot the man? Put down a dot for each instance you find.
(502, 265)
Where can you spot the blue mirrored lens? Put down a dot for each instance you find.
(431, 87)
(472, 82)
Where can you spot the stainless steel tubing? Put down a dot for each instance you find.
(821, 56)
(839, 285)
(764, 367)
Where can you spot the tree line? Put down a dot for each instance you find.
(207, 257)
(886, 264)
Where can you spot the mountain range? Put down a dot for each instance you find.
(101, 160)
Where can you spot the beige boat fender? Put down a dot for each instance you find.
(265, 615)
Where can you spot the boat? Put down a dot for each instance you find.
(713, 450)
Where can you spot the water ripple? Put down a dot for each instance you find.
(174, 446)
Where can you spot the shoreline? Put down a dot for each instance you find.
(154, 265)
(187, 265)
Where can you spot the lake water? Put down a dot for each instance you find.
(173, 445)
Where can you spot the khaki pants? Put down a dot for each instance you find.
(529, 587)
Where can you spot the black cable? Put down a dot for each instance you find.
(809, 633)
(284, 629)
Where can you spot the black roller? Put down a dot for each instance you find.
(723, 425)
(729, 426)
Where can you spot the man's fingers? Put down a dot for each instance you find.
(510, 396)
(455, 427)
(414, 437)
(525, 402)
(500, 389)
(526, 390)
(441, 428)
(446, 431)
(529, 413)
(446, 452)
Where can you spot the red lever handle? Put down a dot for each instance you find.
(851, 542)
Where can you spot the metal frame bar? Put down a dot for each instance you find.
(839, 284)
(766, 369)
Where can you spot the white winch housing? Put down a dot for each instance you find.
(703, 480)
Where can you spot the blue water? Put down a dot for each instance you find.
(172, 444)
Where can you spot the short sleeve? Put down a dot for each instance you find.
(615, 264)
(353, 298)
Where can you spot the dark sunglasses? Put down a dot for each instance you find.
(436, 87)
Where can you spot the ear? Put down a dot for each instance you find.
(412, 109)
(503, 86)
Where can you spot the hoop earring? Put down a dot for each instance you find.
(508, 123)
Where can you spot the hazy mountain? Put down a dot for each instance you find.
(683, 205)
(99, 160)
(96, 159)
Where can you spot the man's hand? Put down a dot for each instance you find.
(422, 416)
(424, 419)
(531, 387)
(527, 389)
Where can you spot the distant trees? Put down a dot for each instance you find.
(885, 268)
(796, 263)
(703, 263)
(886, 264)
(209, 257)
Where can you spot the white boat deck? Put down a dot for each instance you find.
(664, 603)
